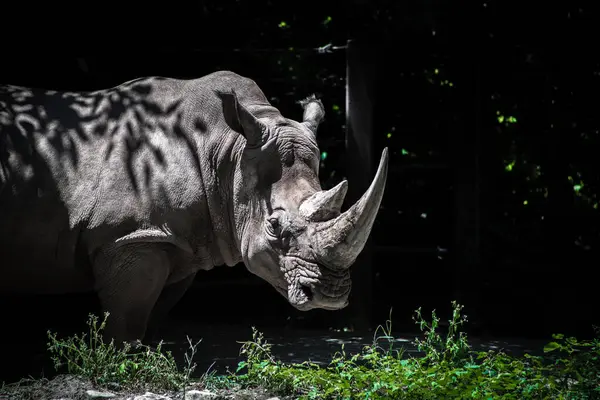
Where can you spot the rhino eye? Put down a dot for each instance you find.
(273, 226)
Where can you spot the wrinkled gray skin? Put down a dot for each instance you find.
(130, 191)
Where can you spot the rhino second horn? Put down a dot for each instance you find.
(326, 204)
(340, 240)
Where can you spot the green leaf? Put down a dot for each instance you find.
(551, 347)
(241, 365)
(558, 336)
(327, 20)
(283, 24)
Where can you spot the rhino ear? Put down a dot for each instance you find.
(314, 112)
(252, 129)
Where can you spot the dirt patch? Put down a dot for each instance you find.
(69, 387)
(61, 387)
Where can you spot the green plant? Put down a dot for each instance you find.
(129, 366)
(448, 369)
(190, 365)
(577, 363)
(454, 348)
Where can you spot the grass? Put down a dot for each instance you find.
(448, 368)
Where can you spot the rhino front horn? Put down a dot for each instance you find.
(340, 240)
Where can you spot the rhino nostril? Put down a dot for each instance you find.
(307, 291)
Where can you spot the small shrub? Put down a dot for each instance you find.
(454, 348)
(129, 367)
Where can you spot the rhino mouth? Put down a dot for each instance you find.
(310, 285)
(302, 292)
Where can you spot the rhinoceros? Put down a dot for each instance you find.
(129, 191)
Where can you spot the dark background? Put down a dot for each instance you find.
(490, 110)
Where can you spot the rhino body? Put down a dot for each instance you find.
(131, 190)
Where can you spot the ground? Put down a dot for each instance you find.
(68, 387)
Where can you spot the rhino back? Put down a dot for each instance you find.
(79, 170)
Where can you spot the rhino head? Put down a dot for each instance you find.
(292, 233)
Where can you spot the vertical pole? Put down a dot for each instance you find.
(467, 197)
(359, 172)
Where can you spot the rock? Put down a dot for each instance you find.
(199, 395)
(95, 394)
(150, 396)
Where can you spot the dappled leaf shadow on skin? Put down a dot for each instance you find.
(61, 124)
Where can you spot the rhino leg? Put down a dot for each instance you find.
(129, 281)
(169, 297)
